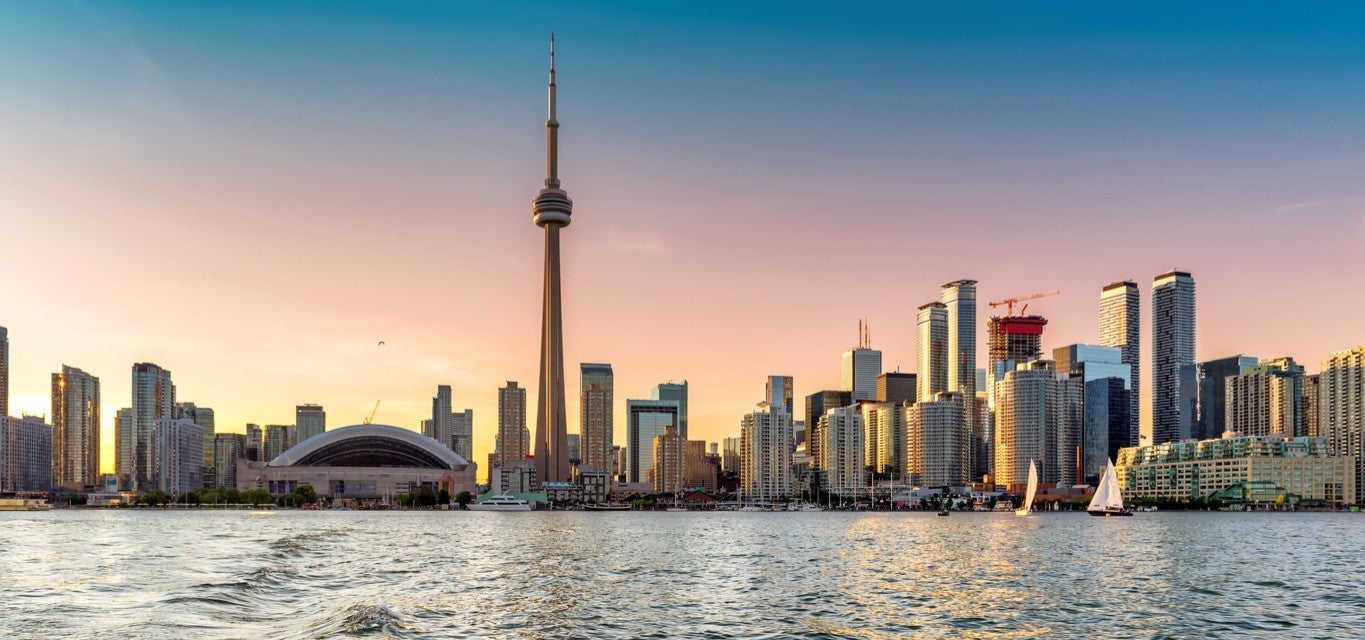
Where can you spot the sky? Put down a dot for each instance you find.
(254, 195)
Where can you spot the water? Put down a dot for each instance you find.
(305, 575)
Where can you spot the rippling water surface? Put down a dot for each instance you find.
(303, 575)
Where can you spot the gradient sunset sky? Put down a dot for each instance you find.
(253, 195)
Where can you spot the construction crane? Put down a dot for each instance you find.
(1010, 302)
(373, 411)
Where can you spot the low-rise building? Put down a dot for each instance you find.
(1239, 469)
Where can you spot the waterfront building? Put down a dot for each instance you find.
(669, 461)
(368, 463)
(277, 440)
(646, 420)
(816, 405)
(1341, 407)
(202, 416)
(596, 422)
(4, 372)
(311, 419)
(936, 444)
(1120, 326)
(1173, 342)
(75, 429)
(841, 452)
(777, 392)
(227, 449)
(596, 486)
(859, 369)
(1010, 342)
(959, 300)
(700, 470)
(153, 399)
(885, 437)
(1106, 385)
(1203, 396)
(1312, 397)
(1240, 470)
(932, 347)
(1038, 417)
(514, 440)
(177, 455)
(124, 449)
(896, 387)
(25, 454)
(765, 455)
(1266, 399)
(255, 443)
(674, 392)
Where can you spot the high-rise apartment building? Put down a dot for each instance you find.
(449, 427)
(202, 416)
(1010, 342)
(1104, 403)
(1266, 400)
(932, 347)
(514, 440)
(1039, 417)
(177, 455)
(777, 392)
(227, 449)
(575, 442)
(729, 454)
(894, 386)
(1173, 341)
(1203, 396)
(675, 392)
(842, 451)
(816, 405)
(75, 429)
(1120, 326)
(25, 454)
(311, 420)
(669, 461)
(596, 422)
(4, 372)
(646, 420)
(255, 443)
(959, 300)
(858, 372)
(124, 449)
(277, 440)
(1341, 407)
(936, 445)
(884, 442)
(153, 399)
(1312, 397)
(700, 470)
(765, 454)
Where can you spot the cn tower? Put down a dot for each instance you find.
(551, 210)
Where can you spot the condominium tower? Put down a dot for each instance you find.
(153, 399)
(75, 428)
(765, 454)
(514, 441)
(1120, 325)
(1173, 341)
(596, 427)
(1341, 406)
(4, 372)
(674, 392)
(932, 348)
(311, 420)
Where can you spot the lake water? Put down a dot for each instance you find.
(187, 574)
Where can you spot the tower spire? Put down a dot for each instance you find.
(552, 129)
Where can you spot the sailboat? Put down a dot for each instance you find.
(1032, 489)
(1108, 500)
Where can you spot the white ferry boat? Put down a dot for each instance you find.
(502, 502)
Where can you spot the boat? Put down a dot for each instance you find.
(1032, 489)
(1108, 500)
(502, 502)
(606, 507)
(804, 506)
(24, 504)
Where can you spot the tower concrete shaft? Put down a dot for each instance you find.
(551, 210)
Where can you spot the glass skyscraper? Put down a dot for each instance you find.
(1173, 336)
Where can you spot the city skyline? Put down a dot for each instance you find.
(253, 346)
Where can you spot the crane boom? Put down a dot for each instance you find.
(373, 411)
(1010, 302)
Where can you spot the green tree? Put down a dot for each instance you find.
(463, 498)
(155, 497)
(306, 494)
(443, 497)
(255, 497)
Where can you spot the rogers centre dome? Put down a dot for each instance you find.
(363, 462)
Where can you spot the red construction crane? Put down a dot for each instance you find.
(1009, 302)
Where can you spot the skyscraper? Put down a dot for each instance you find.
(514, 441)
(777, 392)
(4, 372)
(842, 450)
(202, 416)
(75, 428)
(932, 347)
(1203, 395)
(1038, 416)
(25, 454)
(1341, 407)
(645, 420)
(765, 455)
(1173, 337)
(959, 300)
(125, 448)
(449, 427)
(311, 420)
(1104, 401)
(860, 367)
(596, 424)
(675, 392)
(551, 211)
(669, 461)
(277, 440)
(1120, 325)
(1265, 400)
(1312, 389)
(255, 443)
(936, 446)
(894, 386)
(227, 448)
(177, 455)
(816, 405)
(153, 399)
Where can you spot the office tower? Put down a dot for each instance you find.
(1312, 390)
(1266, 399)
(936, 446)
(311, 420)
(1106, 384)
(1120, 325)
(4, 372)
(255, 443)
(646, 420)
(816, 405)
(75, 429)
(777, 392)
(1039, 417)
(959, 301)
(227, 449)
(514, 441)
(125, 449)
(896, 387)
(841, 432)
(667, 474)
(25, 454)
(729, 457)
(1203, 396)
(276, 440)
(177, 455)
(596, 424)
(449, 427)
(932, 347)
(1173, 339)
(765, 455)
(552, 211)
(202, 416)
(153, 399)
(884, 441)
(859, 371)
(1341, 407)
(700, 470)
(675, 392)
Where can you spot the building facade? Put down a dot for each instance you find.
(1203, 396)
(675, 392)
(4, 372)
(816, 405)
(669, 461)
(931, 340)
(765, 455)
(1266, 400)
(1105, 403)
(959, 300)
(75, 428)
(1039, 417)
(311, 419)
(1173, 342)
(25, 455)
(777, 392)
(228, 448)
(1251, 470)
(885, 437)
(1341, 407)
(177, 455)
(153, 399)
(894, 386)
(596, 421)
(842, 451)
(1120, 326)
(514, 439)
(646, 420)
(936, 444)
(858, 372)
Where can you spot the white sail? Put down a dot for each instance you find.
(1107, 497)
(1032, 489)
